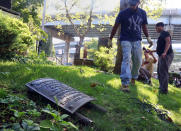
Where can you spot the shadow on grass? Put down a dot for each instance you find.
(170, 102)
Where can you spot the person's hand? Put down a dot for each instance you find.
(149, 41)
(150, 52)
(163, 55)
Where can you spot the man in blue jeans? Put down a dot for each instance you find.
(132, 20)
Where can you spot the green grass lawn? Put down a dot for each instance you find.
(123, 112)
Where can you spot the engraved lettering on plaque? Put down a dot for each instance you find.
(68, 98)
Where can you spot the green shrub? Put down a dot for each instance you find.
(3, 92)
(33, 58)
(15, 37)
(104, 59)
(92, 46)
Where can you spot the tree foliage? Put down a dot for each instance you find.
(30, 13)
(153, 8)
(28, 8)
(73, 12)
(15, 37)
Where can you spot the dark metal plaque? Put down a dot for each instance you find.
(65, 96)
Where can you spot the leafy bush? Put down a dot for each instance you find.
(3, 92)
(32, 58)
(104, 58)
(57, 123)
(22, 114)
(15, 37)
(91, 48)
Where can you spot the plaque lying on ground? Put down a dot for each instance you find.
(65, 96)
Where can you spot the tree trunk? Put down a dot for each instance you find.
(117, 68)
(48, 46)
(78, 47)
(66, 52)
(85, 52)
(103, 42)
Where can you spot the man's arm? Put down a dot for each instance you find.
(114, 29)
(152, 50)
(145, 31)
(167, 46)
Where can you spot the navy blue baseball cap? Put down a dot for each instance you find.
(133, 2)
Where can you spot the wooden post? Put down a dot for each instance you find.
(66, 50)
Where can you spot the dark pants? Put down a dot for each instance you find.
(162, 70)
(144, 75)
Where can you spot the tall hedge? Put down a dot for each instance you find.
(15, 37)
